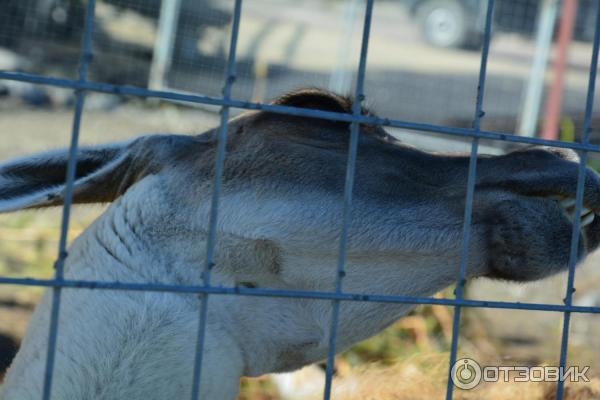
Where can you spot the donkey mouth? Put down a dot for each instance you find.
(587, 216)
(530, 238)
(589, 222)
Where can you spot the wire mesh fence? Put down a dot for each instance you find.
(78, 24)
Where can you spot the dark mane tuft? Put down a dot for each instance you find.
(318, 99)
(322, 100)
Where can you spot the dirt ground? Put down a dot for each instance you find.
(25, 130)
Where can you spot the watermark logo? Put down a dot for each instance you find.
(467, 373)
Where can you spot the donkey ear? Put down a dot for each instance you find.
(103, 173)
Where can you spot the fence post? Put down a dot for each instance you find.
(532, 98)
(163, 45)
(555, 97)
(84, 63)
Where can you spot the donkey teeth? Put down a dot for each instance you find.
(587, 219)
(567, 203)
(584, 212)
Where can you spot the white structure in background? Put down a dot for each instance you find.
(341, 76)
(532, 96)
(163, 46)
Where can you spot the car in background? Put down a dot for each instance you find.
(50, 31)
(461, 23)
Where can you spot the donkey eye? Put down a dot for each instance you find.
(249, 285)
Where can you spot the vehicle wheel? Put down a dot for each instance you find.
(444, 23)
(62, 20)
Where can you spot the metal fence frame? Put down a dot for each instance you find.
(83, 85)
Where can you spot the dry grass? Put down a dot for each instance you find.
(424, 377)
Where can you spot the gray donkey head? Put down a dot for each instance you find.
(279, 227)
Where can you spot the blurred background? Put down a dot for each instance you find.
(423, 66)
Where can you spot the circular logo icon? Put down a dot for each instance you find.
(466, 373)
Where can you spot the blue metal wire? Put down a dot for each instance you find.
(85, 60)
(464, 260)
(564, 346)
(300, 294)
(216, 194)
(359, 97)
